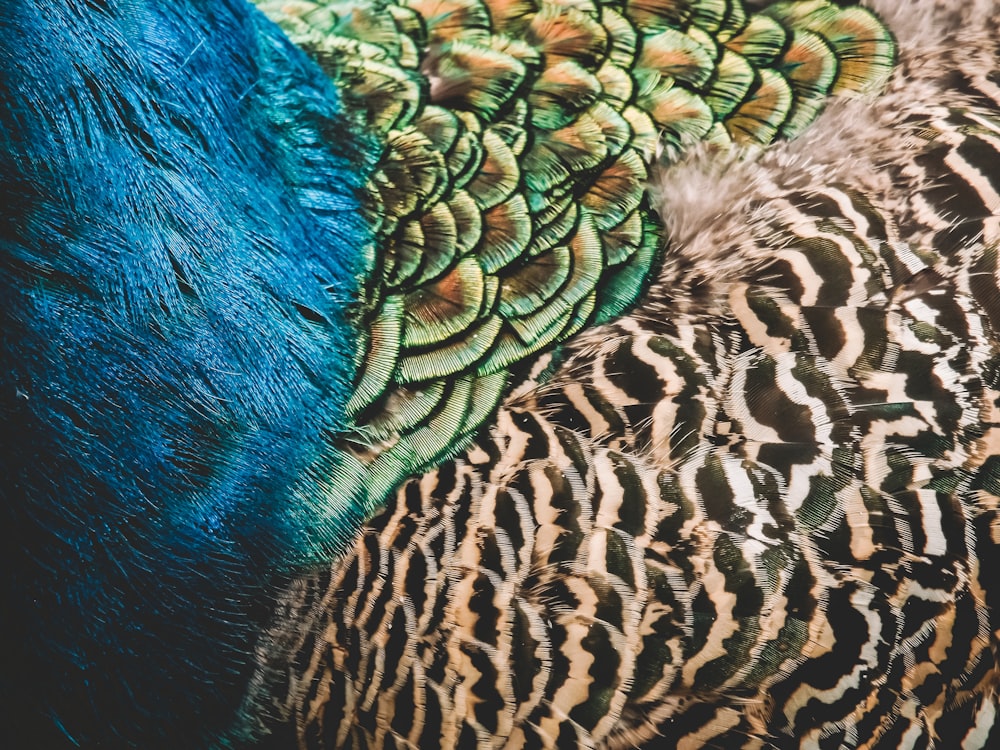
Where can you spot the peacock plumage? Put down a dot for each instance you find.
(500, 373)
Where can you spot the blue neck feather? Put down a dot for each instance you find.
(180, 242)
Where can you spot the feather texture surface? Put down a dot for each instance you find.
(509, 196)
(261, 280)
(759, 511)
(181, 245)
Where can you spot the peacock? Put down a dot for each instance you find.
(500, 373)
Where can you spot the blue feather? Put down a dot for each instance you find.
(181, 237)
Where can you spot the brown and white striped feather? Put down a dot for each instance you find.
(758, 512)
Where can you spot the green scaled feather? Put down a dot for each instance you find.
(764, 111)
(516, 140)
(864, 48)
(734, 78)
(761, 41)
(810, 66)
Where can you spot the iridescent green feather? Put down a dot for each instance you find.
(510, 200)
